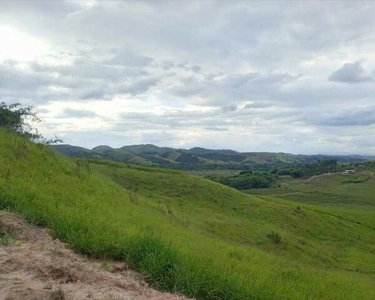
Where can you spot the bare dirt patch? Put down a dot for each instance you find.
(319, 176)
(36, 267)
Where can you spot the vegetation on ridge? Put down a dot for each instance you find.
(200, 158)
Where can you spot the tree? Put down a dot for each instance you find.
(296, 173)
(14, 118)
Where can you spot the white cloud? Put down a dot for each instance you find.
(264, 77)
(20, 46)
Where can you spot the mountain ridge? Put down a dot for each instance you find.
(199, 157)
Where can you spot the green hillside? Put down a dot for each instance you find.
(190, 235)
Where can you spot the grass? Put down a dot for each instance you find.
(352, 192)
(190, 235)
(5, 238)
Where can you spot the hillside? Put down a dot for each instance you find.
(190, 235)
(198, 158)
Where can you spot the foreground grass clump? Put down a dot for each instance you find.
(187, 234)
(5, 238)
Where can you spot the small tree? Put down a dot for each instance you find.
(13, 118)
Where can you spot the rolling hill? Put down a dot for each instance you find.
(190, 235)
(198, 158)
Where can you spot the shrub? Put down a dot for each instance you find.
(274, 237)
(13, 118)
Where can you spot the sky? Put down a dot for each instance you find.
(295, 77)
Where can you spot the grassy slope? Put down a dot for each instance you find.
(188, 234)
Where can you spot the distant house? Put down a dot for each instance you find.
(348, 172)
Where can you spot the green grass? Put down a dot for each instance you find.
(190, 235)
(352, 192)
(5, 238)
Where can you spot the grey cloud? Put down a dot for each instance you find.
(140, 86)
(350, 73)
(320, 94)
(182, 66)
(229, 108)
(215, 119)
(252, 33)
(42, 111)
(237, 87)
(216, 128)
(167, 120)
(167, 64)
(13, 78)
(215, 55)
(89, 138)
(255, 79)
(86, 68)
(83, 79)
(158, 137)
(184, 91)
(124, 57)
(77, 113)
(196, 69)
(258, 105)
(353, 117)
(94, 94)
(56, 8)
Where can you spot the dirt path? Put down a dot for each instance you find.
(318, 176)
(36, 267)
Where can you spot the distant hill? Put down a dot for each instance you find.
(199, 158)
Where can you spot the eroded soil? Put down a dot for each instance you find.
(33, 266)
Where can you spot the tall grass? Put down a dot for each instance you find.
(183, 233)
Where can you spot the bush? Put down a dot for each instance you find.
(296, 174)
(13, 118)
(274, 237)
(246, 181)
(248, 172)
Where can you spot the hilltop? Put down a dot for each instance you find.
(190, 235)
(199, 158)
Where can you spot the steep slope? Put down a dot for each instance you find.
(188, 234)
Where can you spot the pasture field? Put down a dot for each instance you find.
(355, 191)
(190, 235)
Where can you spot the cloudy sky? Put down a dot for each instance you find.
(294, 77)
